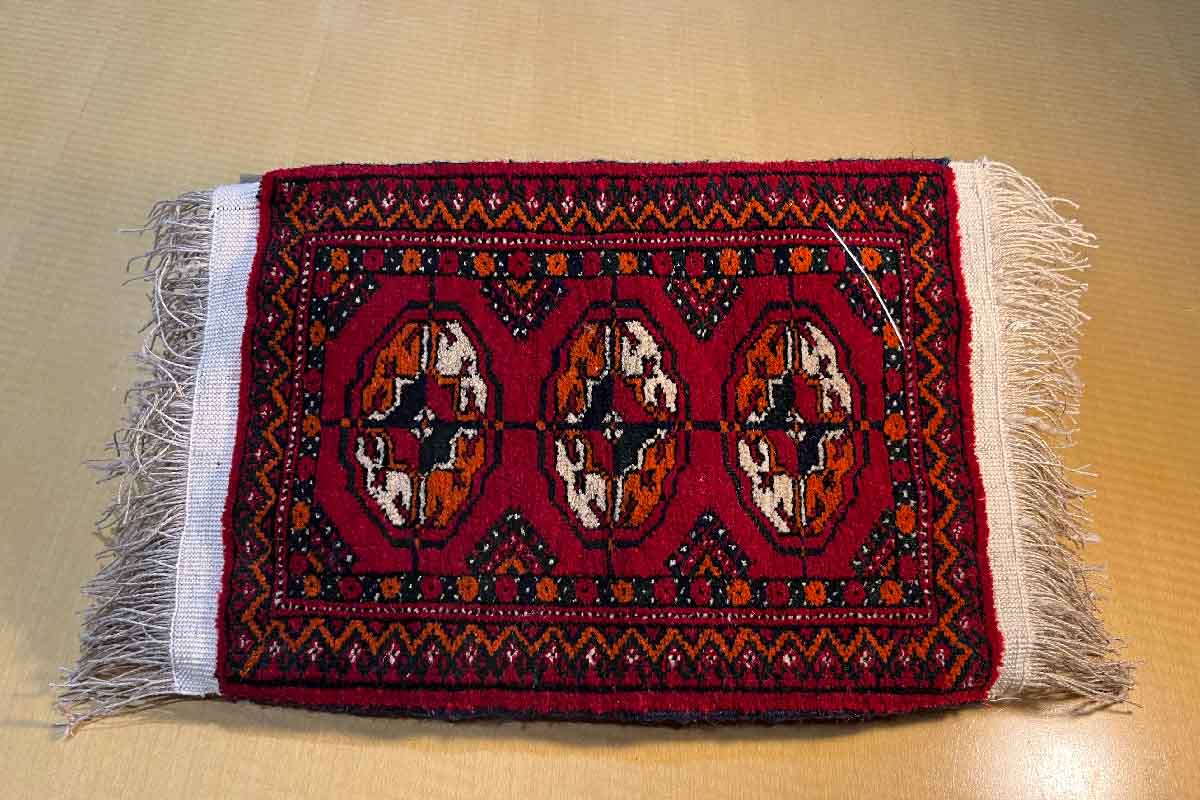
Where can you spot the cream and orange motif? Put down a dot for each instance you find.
(791, 388)
(425, 383)
(614, 404)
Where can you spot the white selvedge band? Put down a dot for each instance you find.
(987, 363)
(200, 565)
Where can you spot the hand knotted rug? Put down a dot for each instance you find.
(710, 441)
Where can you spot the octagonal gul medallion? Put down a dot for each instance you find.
(614, 407)
(792, 445)
(421, 434)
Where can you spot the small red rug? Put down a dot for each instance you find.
(604, 441)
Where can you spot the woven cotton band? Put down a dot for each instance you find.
(986, 384)
(214, 420)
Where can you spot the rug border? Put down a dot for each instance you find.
(521, 704)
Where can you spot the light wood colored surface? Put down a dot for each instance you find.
(108, 106)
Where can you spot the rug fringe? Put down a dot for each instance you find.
(1036, 252)
(125, 659)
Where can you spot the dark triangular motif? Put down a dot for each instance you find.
(349, 292)
(709, 552)
(319, 540)
(512, 546)
(703, 301)
(522, 304)
(880, 555)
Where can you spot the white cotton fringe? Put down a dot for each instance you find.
(1035, 256)
(125, 659)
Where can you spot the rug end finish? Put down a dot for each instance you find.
(1035, 254)
(125, 645)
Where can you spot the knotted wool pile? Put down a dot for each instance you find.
(603, 441)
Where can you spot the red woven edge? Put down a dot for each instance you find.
(622, 169)
(966, 344)
(617, 705)
(644, 706)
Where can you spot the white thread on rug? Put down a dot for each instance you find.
(878, 296)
